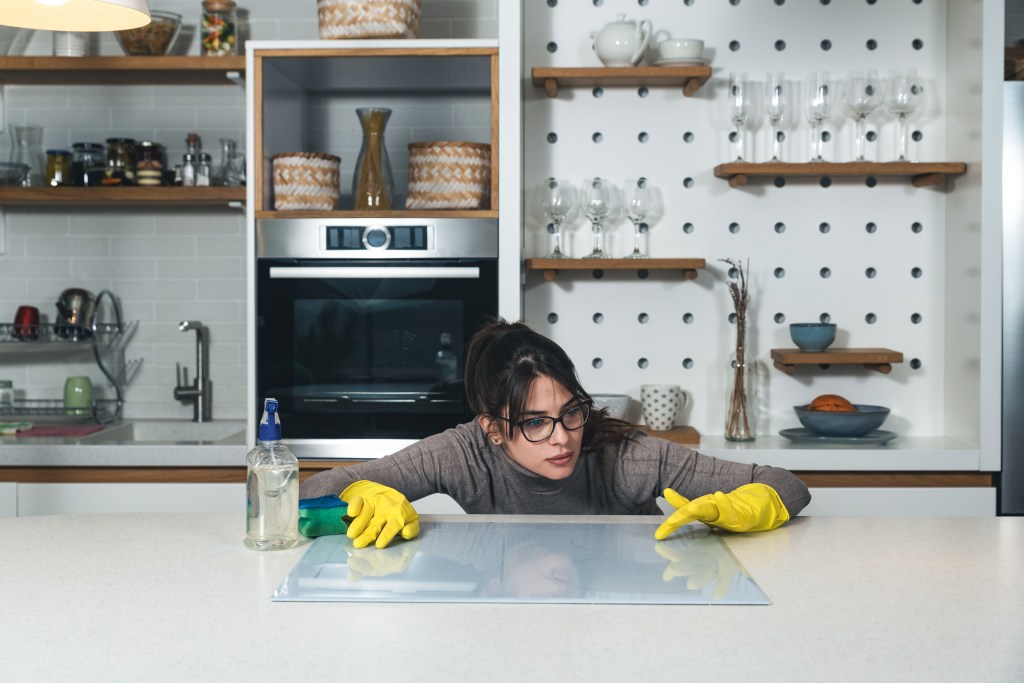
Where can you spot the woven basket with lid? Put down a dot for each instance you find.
(369, 18)
(306, 181)
(449, 175)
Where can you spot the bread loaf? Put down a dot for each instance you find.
(832, 403)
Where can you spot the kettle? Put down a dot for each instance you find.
(75, 310)
(622, 42)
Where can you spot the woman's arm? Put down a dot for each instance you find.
(431, 465)
(659, 464)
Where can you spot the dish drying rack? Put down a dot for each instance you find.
(106, 340)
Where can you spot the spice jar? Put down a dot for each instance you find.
(120, 161)
(149, 163)
(58, 167)
(84, 155)
(219, 35)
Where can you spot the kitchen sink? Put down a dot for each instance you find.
(171, 431)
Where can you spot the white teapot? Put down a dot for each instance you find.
(622, 42)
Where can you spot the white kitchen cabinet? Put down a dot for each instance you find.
(65, 499)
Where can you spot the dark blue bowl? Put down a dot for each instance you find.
(829, 423)
(812, 336)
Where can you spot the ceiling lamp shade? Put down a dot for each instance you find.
(74, 15)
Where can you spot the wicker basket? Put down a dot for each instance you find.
(305, 181)
(369, 18)
(449, 175)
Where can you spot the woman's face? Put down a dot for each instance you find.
(556, 456)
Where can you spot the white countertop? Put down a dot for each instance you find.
(177, 597)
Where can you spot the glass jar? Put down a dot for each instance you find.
(6, 393)
(84, 155)
(58, 167)
(204, 171)
(149, 163)
(120, 161)
(219, 34)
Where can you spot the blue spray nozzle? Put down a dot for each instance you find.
(270, 424)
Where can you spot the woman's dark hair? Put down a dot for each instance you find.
(502, 361)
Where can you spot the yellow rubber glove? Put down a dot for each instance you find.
(751, 507)
(701, 564)
(378, 512)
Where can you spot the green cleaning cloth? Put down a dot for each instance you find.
(323, 516)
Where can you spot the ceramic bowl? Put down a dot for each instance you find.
(680, 48)
(617, 404)
(827, 423)
(813, 336)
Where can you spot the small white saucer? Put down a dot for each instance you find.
(682, 61)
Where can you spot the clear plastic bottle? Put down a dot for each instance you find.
(272, 488)
(446, 363)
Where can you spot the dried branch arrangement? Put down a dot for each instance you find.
(738, 419)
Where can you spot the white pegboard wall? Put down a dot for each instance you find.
(868, 256)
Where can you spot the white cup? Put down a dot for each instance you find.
(660, 403)
(71, 43)
(680, 48)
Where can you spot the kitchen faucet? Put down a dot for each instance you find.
(200, 392)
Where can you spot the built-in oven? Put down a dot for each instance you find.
(361, 327)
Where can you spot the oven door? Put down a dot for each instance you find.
(351, 348)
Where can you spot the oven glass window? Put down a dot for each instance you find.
(368, 357)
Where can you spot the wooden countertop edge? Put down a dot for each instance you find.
(236, 475)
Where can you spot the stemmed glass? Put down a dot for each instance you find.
(819, 107)
(902, 97)
(558, 199)
(637, 202)
(861, 97)
(739, 108)
(598, 203)
(775, 92)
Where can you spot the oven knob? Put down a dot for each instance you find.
(377, 237)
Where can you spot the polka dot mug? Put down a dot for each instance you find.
(661, 404)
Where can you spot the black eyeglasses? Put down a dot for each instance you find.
(541, 427)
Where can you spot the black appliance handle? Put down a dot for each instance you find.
(374, 272)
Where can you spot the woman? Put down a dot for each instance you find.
(538, 447)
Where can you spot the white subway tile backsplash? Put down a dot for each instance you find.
(169, 265)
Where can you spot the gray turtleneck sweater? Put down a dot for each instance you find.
(623, 478)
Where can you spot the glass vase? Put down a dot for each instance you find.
(741, 394)
(27, 148)
(373, 186)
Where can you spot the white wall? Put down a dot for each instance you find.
(166, 264)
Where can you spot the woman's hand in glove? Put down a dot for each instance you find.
(379, 513)
(751, 507)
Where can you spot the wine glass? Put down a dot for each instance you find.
(819, 108)
(861, 97)
(902, 97)
(739, 108)
(637, 202)
(775, 93)
(598, 204)
(558, 199)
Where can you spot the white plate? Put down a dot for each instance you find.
(878, 437)
(682, 61)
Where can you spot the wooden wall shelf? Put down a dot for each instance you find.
(689, 78)
(120, 196)
(879, 360)
(680, 434)
(174, 70)
(551, 266)
(395, 213)
(921, 174)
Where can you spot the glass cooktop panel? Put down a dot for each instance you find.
(526, 563)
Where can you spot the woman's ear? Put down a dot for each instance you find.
(490, 427)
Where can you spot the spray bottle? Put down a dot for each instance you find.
(272, 488)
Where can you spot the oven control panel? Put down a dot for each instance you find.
(348, 238)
